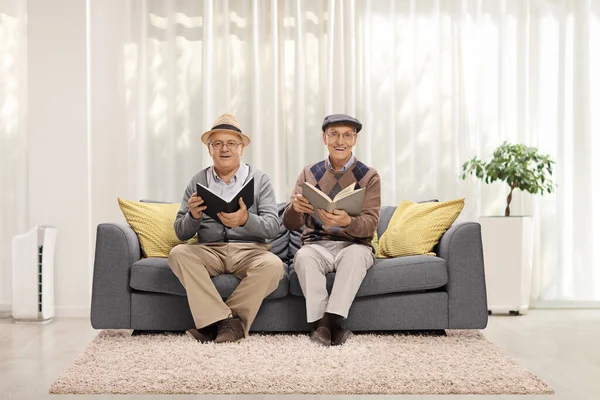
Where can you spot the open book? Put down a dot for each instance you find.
(216, 204)
(349, 199)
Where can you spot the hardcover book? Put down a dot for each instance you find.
(216, 204)
(349, 199)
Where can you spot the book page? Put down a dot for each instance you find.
(346, 192)
(247, 193)
(315, 197)
(317, 191)
(213, 192)
(352, 203)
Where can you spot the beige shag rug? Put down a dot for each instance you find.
(463, 362)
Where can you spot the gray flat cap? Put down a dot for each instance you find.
(335, 119)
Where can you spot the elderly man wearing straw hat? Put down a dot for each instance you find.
(237, 246)
(339, 242)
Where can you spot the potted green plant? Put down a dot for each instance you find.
(521, 167)
(508, 242)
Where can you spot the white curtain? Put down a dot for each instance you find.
(434, 83)
(13, 155)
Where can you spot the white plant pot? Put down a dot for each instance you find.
(508, 260)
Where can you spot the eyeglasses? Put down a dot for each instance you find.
(348, 137)
(217, 145)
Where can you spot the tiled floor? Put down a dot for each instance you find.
(560, 346)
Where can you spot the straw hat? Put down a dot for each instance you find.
(226, 123)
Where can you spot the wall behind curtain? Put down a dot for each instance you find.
(13, 155)
(434, 82)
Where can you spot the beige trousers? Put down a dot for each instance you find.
(314, 261)
(195, 265)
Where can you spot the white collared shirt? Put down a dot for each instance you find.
(227, 190)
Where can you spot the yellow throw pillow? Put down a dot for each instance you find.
(415, 228)
(153, 223)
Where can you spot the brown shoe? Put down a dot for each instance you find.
(321, 335)
(204, 335)
(229, 330)
(340, 335)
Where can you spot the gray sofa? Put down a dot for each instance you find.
(405, 293)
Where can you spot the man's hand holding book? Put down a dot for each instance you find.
(335, 218)
(235, 219)
(302, 205)
(196, 206)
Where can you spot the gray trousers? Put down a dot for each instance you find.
(314, 261)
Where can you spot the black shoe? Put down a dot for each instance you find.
(340, 335)
(321, 335)
(230, 330)
(203, 335)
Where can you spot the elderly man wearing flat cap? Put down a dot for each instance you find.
(237, 246)
(338, 243)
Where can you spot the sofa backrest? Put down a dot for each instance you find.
(279, 245)
(384, 219)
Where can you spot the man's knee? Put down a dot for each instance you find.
(358, 254)
(355, 261)
(183, 256)
(348, 267)
(177, 251)
(275, 265)
(271, 265)
(306, 257)
(176, 254)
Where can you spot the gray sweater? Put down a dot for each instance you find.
(262, 224)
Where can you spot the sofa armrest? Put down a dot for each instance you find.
(117, 248)
(461, 247)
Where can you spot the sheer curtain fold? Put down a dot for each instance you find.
(13, 136)
(434, 82)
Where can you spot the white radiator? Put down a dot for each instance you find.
(33, 274)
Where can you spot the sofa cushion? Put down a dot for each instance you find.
(385, 215)
(154, 275)
(295, 244)
(281, 243)
(393, 275)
